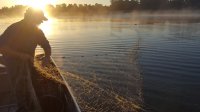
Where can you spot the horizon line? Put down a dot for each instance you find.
(57, 4)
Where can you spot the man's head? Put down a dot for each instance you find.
(35, 16)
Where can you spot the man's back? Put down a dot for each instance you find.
(23, 37)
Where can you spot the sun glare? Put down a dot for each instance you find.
(38, 4)
(47, 27)
(41, 4)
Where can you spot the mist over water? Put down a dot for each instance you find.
(130, 61)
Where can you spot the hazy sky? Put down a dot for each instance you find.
(14, 2)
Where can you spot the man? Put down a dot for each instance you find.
(21, 38)
(18, 44)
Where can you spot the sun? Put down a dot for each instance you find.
(47, 26)
(38, 4)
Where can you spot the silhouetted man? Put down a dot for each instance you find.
(21, 38)
(18, 44)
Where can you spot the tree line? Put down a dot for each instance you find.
(59, 10)
(116, 5)
(129, 5)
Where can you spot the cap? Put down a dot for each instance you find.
(35, 13)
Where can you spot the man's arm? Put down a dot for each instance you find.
(44, 43)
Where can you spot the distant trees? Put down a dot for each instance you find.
(124, 5)
(60, 9)
(151, 4)
(129, 5)
(194, 3)
(177, 4)
(116, 5)
(13, 11)
(74, 9)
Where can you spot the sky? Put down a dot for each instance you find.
(17, 2)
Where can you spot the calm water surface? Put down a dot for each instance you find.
(155, 65)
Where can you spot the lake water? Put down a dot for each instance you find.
(127, 64)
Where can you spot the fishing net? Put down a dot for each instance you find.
(95, 93)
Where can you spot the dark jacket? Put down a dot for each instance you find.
(22, 37)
